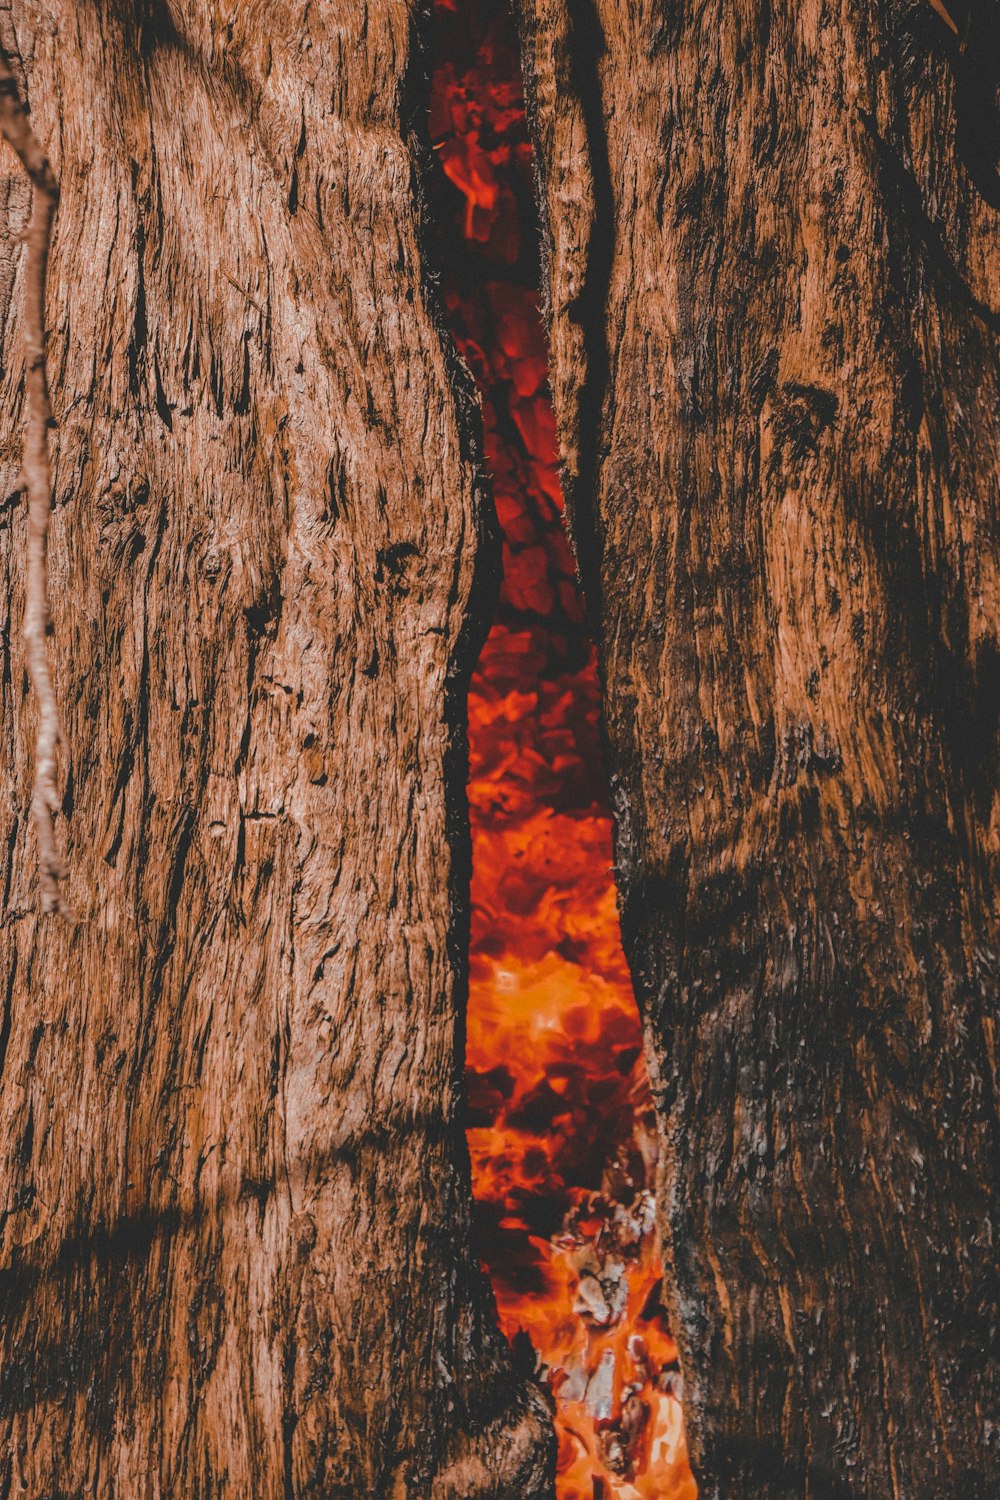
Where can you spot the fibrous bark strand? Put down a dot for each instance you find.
(37, 478)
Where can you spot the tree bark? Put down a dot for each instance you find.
(774, 283)
(234, 1196)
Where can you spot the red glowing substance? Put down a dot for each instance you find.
(561, 1131)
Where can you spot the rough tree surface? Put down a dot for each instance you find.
(775, 306)
(233, 1195)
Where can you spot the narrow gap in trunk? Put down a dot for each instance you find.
(561, 1129)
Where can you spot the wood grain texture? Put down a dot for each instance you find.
(234, 1195)
(774, 287)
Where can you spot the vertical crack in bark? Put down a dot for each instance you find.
(560, 1121)
(36, 479)
(507, 1447)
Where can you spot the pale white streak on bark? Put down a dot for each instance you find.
(36, 479)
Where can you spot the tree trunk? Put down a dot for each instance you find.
(234, 1213)
(775, 305)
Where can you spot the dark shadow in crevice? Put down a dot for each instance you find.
(971, 45)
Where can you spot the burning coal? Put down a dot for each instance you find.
(560, 1119)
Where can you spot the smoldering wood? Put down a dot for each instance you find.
(234, 1192)
(773, 307)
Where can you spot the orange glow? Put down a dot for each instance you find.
(561, 1128)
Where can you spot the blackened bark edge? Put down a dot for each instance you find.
(786, 506)
(234, 1196)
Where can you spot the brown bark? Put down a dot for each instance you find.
(234, 1252)
(775, 304)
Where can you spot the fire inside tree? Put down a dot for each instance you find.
(562, 1135)
(234, 1246)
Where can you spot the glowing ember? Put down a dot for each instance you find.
(561, 1127)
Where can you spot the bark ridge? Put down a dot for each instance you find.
(773, 279)
(234, 1213)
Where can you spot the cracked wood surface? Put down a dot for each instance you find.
(774, 287)
(234, 1196)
